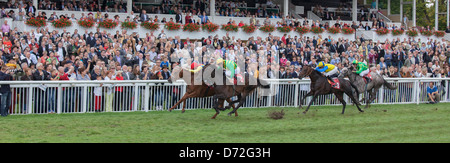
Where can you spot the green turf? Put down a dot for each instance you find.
(380, 123)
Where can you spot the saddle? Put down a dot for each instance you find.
(335, 83)
(236, 78)
(368, 76)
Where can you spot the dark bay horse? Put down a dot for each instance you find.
(320, 86)
(193, 90)
(228, 90)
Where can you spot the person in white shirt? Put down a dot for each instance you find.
(98, 92)
(109, 95)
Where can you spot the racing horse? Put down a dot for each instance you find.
(371, 87)
(193, 90)
(226, 90)
(321, 86)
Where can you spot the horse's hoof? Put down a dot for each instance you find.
(304, 112)
(229, 114)
(182, 111)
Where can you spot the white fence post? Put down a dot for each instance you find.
(446, 90)
(297, 87)
(59, 100)
(146, 97)
(30, 99)
(416, 90)
(84, 99)
(136, 97)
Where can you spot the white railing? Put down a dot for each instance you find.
(43, 97)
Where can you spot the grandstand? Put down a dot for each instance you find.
(326, 12)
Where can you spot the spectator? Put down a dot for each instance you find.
(109, 92)
(432, 94)
(98, 93)
(5, 102)
(203, 18)
(6, 28)
(144, 16)
(118, 94)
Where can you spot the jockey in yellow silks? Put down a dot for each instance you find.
(329, 70)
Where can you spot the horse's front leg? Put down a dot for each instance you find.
(310, 93)
(309, 105)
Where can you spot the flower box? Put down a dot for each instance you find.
(150, 25)
(382, 31)
(267, 28)
(191, 27)
(86, 23)
(36, 22)
(61, 23)
(426, 32)
(317, 30)
(128, 25)
(348, 30)
(302, 30)
(108, 24)
(439, 33)
(230, 27)
(397, 32)
(412, 33)
(210, 27)
(334, 30)
(249, 28)
(172, 26)
(285, 29)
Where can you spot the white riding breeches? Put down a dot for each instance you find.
(228, 73)
(332, 72)
(364, 73)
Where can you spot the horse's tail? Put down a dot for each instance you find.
(388, 85)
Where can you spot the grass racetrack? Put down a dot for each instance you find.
(380, 123)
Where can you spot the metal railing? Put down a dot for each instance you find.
(43, 97)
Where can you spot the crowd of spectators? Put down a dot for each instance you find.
(60, 55)
(133, 54)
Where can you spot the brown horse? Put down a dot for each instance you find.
(228, 90)
(320, 86)
(193, 90)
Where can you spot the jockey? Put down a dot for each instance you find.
(361, 69)
(229, 67)
(329, 69)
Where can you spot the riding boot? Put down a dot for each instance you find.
(329, 78)
(368, 80)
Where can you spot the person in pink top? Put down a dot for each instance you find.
(6, 28)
